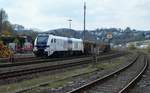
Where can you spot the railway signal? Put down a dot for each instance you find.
(109, 36)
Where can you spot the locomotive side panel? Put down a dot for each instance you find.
(77, 44)
(60, 44)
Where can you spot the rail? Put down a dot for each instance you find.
(93, 83)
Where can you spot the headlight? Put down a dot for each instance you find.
(47, 49)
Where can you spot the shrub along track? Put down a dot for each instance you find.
(116, 82)
(18, 73)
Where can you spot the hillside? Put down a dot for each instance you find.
(99, 35)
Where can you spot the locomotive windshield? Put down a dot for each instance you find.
(42, 39)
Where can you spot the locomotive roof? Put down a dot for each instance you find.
(60, 37)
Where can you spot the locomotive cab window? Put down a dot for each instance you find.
(51, 40)
(54, 40)
(42, 39)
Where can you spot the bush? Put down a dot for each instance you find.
(132, 46)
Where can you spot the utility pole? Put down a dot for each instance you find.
(1, 21)
(70, 23)
(84, 23)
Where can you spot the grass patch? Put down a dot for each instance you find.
(109, 64)
(58, 84)
(49, 78)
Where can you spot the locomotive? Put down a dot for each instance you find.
(49, 45)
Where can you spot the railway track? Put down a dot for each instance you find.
(66, 88)
(118, 81)
(17, 59)
(27, 89)
(142, 85)
(11, 67)
(36, 68)
(34, 60)
(37, 61)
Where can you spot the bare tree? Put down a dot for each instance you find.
(3, 18)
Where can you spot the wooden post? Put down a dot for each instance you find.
(94, 55)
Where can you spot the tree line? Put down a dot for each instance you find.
(5, 25)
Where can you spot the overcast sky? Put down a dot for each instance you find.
(51, 14)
